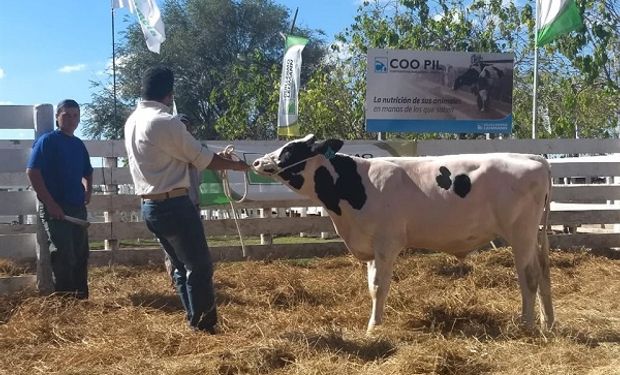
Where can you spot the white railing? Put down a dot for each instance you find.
(115, 216)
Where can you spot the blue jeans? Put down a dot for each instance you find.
(178, 226)
(69, 251)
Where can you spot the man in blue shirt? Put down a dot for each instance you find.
(60, 173)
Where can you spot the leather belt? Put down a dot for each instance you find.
(178, 192)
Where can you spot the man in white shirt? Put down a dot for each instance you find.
(160, 150)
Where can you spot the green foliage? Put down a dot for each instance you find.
(102, 118)
(331, 106)
(252, 102)
(578, 73)
(227, 60)
(225, 55)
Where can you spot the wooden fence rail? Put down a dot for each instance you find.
(116, 216)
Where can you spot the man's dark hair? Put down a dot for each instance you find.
(157, 83)
(67, 103)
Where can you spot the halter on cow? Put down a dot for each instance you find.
(452, 203)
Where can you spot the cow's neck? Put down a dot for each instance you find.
(337, 185)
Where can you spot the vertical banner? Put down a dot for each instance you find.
(149, 18)
(288, 106)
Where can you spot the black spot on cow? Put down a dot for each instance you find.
(443, 180)
(348, 185)
(326, 190)
(349, 182)
(462, 185)
(295, 152)
(293, 176)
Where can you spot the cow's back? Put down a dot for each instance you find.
(468, 199)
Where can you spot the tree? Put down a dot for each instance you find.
(583, 64)
(331, 106)
(595, 51)
(224, 54)
(102, 121)
(440, 26)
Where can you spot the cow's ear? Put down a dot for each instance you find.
(328, 147)
(309, 139)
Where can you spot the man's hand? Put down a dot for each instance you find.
(55, 211)
(87, 195)
(240, 165)
(36, 180)
(224, 155)
(223, 160)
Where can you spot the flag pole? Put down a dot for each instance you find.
(535, 89)
(294, 19)
(113, 66)
(535, 73)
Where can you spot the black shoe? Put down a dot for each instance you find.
(212, 330)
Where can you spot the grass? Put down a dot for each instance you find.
(11, 268)
(308, 317)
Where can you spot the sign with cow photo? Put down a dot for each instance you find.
(439, 92)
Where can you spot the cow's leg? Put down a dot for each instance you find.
(372, 289)
(528, 272)
(484, 97)
(544, 287)
(380, 273)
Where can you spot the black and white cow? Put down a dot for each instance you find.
(482, 78)
(453, 204)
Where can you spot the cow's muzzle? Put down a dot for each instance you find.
(264, 167)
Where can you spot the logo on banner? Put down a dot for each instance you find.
(381, 64)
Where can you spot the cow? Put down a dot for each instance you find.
(454, 204)
(482, 78)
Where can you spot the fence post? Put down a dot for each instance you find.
(616, 180)
(324, 235)
(302, 213)
(43, 116)
(109, 216)
(265, 238)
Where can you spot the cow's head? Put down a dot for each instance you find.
(315, 170)
(294, 154)
(289, 161)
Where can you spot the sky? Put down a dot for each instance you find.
(50, 50)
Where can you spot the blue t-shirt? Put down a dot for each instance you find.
(63, 160)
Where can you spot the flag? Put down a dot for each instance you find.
(149, 18)
(556, 17)
(289, 86)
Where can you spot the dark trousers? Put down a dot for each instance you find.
(177, 225)
(68, 244)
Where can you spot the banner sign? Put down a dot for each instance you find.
(288, 106)
(442, 92)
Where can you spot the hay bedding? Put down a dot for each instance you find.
(309, 317)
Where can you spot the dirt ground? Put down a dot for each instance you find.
(309, 317)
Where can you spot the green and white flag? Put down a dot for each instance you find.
(556, 17)
(288, 106)
(149, 18)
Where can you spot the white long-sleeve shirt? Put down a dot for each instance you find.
(160, 149)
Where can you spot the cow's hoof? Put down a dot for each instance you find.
(370, 330)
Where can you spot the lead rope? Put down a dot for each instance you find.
(229, 151)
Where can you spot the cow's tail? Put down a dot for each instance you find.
(544, 285)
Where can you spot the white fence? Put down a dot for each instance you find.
(583, 204)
